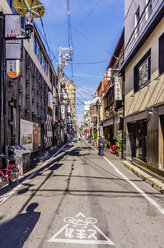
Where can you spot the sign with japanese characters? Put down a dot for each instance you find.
(117, 89)
(80, 230)
(13, 68)
(13, 28)
(63, 109)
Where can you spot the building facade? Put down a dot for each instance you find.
(30, 97)
(143, 68)
(113, 97)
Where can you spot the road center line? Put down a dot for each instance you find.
(154, 203)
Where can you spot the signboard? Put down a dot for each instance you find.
(117, 89)
(13, 28)
(109, 74)
(50, 100)
(13, 68)
(63, 109)
(26, 134)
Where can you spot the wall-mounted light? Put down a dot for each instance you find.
(150, 111)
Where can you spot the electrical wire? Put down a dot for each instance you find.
(89, 63)
(81, 95)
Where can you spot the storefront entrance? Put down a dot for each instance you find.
(161, 142)
(141, 140)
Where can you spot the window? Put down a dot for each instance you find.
(137, 18)
(39, 53)
(161, 54)
(142, 72)
(149, 8)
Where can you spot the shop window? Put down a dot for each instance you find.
(161, 54)
(142, 72)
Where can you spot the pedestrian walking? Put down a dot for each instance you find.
(65, 138)
(101, 144)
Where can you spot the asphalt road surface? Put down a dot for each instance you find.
(79, 199)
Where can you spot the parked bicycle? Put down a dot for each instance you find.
(10, 173)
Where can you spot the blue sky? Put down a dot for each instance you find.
(96, 26)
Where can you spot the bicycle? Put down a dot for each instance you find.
(10, 173)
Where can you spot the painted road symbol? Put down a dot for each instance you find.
(80, 230)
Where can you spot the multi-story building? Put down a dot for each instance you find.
(144, 82)
(71, 100)
(95, 114)
(71, 91)
(112, 97)
(29, 98)
(87, 118)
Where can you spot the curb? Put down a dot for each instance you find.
(155, 183)
(28, 174)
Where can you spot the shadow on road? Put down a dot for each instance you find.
(15, 232)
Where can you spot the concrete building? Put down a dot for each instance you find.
(30, 99)
(143, 68)
(71, 101)
(87, 118)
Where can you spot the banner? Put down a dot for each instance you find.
(117, 89)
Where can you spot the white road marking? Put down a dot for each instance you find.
(13, 191)
(154, 203)
(80, 231)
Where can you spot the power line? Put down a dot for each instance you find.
(81, 95)
(84, 89)
(89, 63)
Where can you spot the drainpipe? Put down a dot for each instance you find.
(1, 72)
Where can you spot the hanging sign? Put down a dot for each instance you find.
(50, 100)
(63, 109)
(13, 68)
(117, 89)
(13, 28)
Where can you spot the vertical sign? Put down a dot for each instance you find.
(50, 100)
(13, 68)
(117, 89)
(62, 112)
(13, 28)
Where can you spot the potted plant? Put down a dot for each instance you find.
(118, 142)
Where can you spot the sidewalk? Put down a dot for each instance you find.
(147, 176)
(36, 163)
(150, 178)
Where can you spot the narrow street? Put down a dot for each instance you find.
(104, 209)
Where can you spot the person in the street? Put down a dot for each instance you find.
(101, 144)
(78, 136)
(65, 138)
